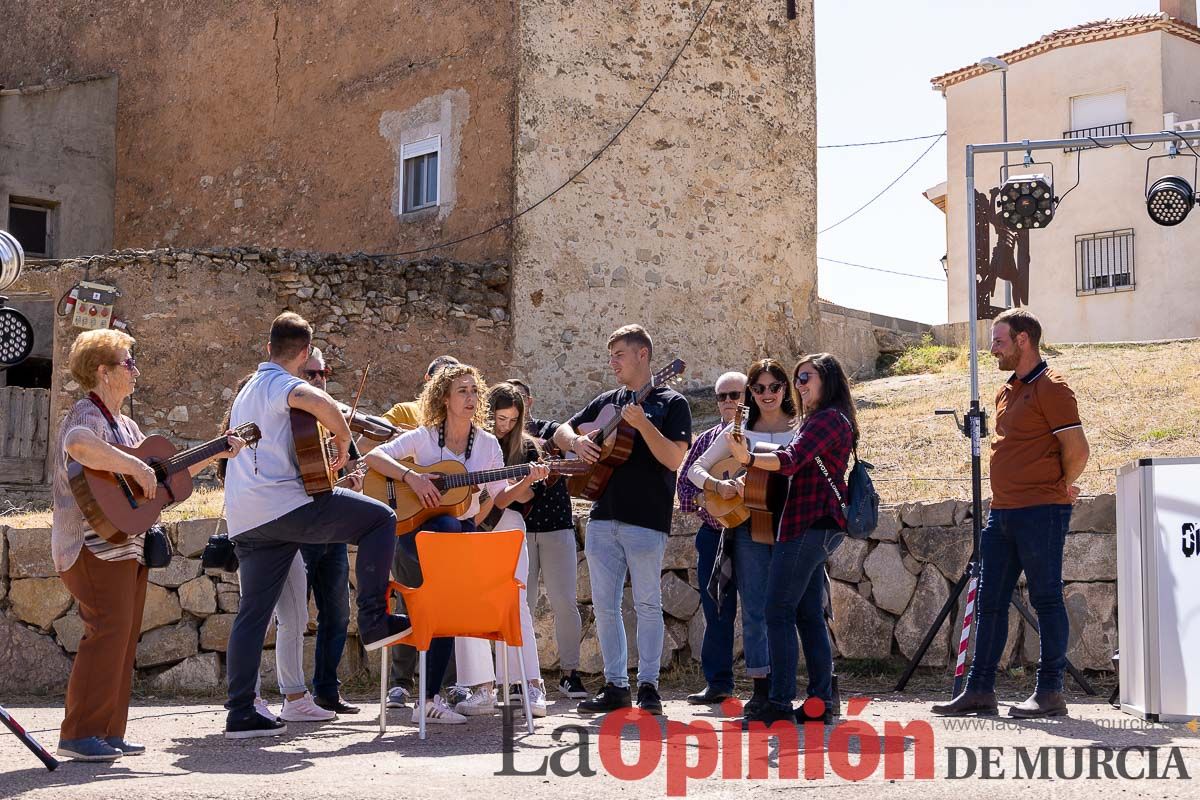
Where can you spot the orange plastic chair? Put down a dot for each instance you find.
(469, 589)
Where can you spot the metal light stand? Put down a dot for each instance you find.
(975, 421)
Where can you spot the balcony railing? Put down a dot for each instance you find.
(1115, 129)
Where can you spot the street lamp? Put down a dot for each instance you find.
(993, 64)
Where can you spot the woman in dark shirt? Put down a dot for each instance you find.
(810, 529)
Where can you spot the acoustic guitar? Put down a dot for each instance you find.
(615, 437)
(730, 512)
(315, 449)
(455, 483)
(115, 506)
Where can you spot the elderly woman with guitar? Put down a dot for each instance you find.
(428, 475)
(110, 483)
(770, 424)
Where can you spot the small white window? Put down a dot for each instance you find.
(419, 175)
(1098, 110)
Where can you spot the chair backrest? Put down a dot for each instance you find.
(470, 587)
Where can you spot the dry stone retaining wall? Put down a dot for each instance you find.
(886, 592)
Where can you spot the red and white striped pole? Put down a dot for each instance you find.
(964, 641)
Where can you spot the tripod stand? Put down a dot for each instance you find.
(975, 428)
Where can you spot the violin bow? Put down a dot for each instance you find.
(361, 385)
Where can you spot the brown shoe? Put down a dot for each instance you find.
(1045, 704)
(982, 703)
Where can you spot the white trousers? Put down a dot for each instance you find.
(291, 621)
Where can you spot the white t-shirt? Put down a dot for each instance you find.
(265, 484)
(719, 450)
(422, 445)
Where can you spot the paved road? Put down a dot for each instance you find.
(348, 758)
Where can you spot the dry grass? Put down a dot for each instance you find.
(203, 504)
(1135, 400)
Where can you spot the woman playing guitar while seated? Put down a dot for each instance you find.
(106, 578)
(453, 427)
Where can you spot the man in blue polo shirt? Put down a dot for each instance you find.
(270, 516)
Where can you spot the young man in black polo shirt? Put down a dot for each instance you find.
(628, 528)
(550, 540)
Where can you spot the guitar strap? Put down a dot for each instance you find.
(112, 424)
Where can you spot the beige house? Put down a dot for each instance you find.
(1102, 270)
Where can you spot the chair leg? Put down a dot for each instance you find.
(421, 692)
(504, 672)
(383, 687)
(524, 687)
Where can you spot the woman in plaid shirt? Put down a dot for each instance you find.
(811, 528)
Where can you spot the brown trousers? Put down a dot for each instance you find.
(111, 597)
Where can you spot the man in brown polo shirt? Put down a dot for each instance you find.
(1038, 452)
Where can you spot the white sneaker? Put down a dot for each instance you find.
(264, 710)
(537, 702)
(438, 713)
(398, 697)
(305, 710)
(481, 703)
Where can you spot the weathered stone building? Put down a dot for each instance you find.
(323, 127)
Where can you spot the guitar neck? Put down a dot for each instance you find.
(195, 455)
(484, 476)
(638, 397)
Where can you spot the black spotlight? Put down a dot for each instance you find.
(1170, 198)
(1026, 201)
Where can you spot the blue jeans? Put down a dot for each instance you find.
(266, 553)
(716, 653)
(613, 550)
(752, 562)
(328, 568)
(795, 595)
(1015, 539)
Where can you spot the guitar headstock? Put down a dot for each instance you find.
(671, 373)
(249, 432)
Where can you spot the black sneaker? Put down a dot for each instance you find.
(394, 628)
(571, 685)
(648, 699)
(253, 725)
(336, 704)
(822, 712)
(610, 698)
(768, 715)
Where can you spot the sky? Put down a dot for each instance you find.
(874, 62)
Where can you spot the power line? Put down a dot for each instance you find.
(881, 269)
(881, 192)
(509, 220)
(884, 141)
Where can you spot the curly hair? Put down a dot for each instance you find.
(94, 349)
(437, 392)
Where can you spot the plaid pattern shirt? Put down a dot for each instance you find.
(689, 493)
(826, 434)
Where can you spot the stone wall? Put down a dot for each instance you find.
(859, 338)
(201, 320)
(885, 593)
(701, 213)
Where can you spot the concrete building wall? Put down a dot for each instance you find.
(278, 122)
(1156, 70)
(57, 149)
(698, 222)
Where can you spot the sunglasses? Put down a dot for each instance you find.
(731, 396)
(802, 378)
(772, 387)
(313, 374)
(129, 364)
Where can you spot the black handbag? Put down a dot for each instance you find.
(220, 554)
(156, 549)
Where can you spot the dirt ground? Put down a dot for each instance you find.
(189, 758)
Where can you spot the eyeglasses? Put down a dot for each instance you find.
(313, 374)
(730, 396)
(772, 387)
(802, 378)
(129, 364)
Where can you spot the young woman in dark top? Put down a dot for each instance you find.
(811, 528)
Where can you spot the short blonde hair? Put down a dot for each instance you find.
(94, 349)
(437, 390)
